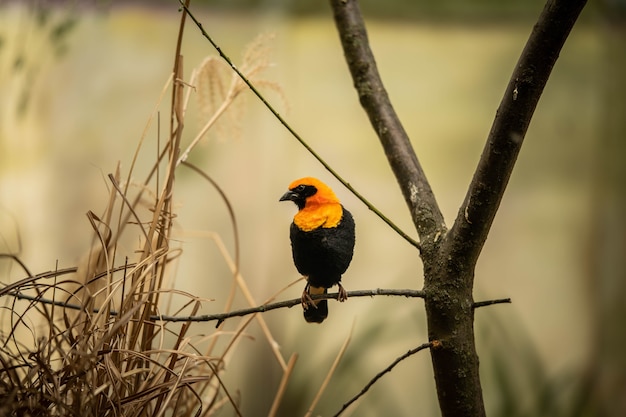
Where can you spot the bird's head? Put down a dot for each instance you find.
(309, 192)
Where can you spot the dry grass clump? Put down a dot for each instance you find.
(88, 341)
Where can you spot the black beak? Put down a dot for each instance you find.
(290, 196)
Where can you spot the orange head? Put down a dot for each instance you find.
(309, 192)
(317, 203)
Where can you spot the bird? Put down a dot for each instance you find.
(322, 238)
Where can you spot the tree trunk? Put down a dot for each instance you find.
(450, 256)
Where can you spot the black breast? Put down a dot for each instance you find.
(324, 254)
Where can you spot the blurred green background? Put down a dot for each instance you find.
(78, 83)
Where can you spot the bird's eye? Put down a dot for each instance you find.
(300, 188)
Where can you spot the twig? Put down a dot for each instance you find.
(383, 372)
(220, 317)
(238, 313)
(479, 304)
(21, 296)
(296, 135)
(290, 303)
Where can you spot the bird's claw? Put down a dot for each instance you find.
(342, 294)
(306, 300)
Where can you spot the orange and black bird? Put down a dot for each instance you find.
(322, 242)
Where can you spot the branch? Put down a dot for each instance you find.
(451, 276)
(470, 229)
(220, 317)
(388, 369)
(479, 304)
(295, 134)
(449, 265)
(417, 193)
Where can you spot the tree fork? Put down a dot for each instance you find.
(450, 257)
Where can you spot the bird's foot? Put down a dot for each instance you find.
(306, 299)
(342, 294)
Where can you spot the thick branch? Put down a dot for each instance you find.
(449, 280)
(375, 101)
(449, 268)
(470, 229)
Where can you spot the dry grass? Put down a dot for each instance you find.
(93, 346)
(217, 87)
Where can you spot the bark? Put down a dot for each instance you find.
(394, 139)
(513, 116)
(450, 257)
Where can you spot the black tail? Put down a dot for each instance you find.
(317, 312)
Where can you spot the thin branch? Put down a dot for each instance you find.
(383, 372)
(42, 300)
(486, 303)
(290, 303)
(417, 193)
(237, 313)
(513, 116)
(220, 317)
(296, 135)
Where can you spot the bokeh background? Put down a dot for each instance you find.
(79, 81)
